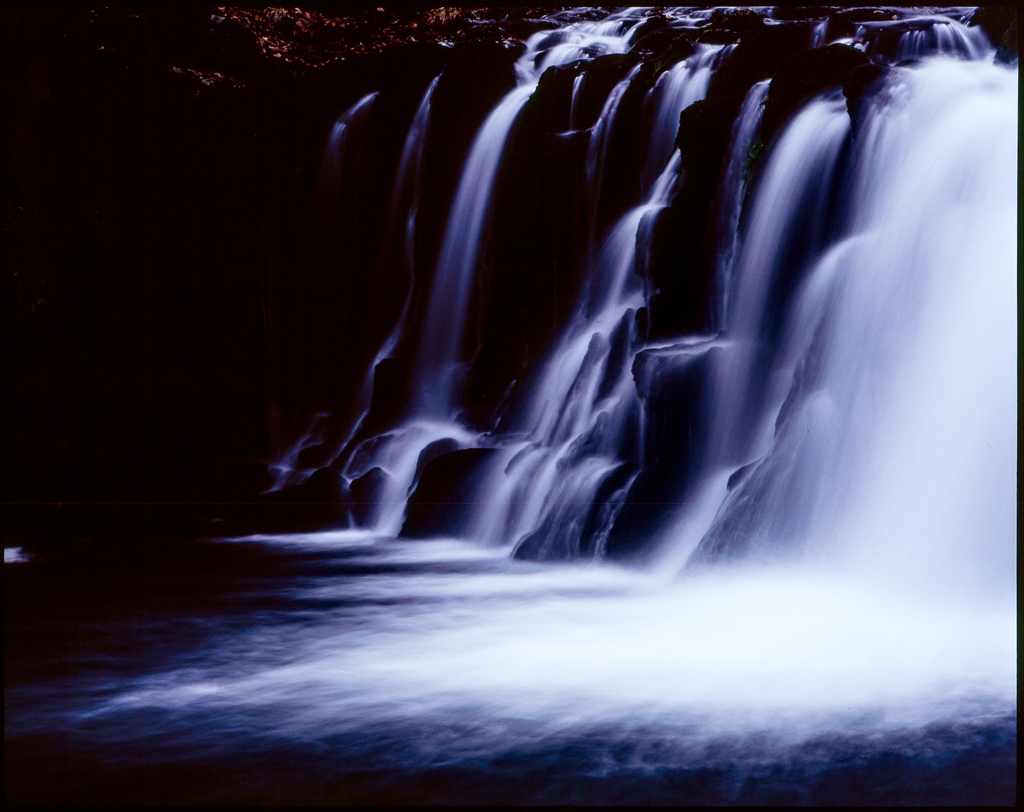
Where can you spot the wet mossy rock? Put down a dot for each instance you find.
(804, 76)
(742, 19)
(663, 49)
(675, 50)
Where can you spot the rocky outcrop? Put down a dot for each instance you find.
(1000, 25)
(802, 77)
(445, 494)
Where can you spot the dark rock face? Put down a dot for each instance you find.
(430, 452)
(804, 76)
(320, 503)
(367, 492)
(674, 391)
(681, 254)
(539, 221)
(1000, 25)
(859, 84)
(447, 487)
(758, 56)
(162, 216)
(315, 456)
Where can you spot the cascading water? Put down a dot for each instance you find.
(837, 321)
(732, 192)
(439, 370)
(576, 432)
(579, 414)
(437, 384)
(675, 90)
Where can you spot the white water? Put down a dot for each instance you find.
(480, 654)
(892, 476)
(15, 555)
(400, 230)
(731, 194)
(896, 443)
(675, 90)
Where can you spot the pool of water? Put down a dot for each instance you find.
(342, 668)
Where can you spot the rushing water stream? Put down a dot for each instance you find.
(826, 611)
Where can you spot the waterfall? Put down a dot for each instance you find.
(439, 368)
(666, 451)
(675, 90)
(862, 381)
(542, 492)
(798, 377)
(732, 192)
(437, 385)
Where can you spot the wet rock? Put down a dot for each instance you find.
(802, 77)
(868, 15)
(529, 286)
(602, 74)
(680, 264)
(758, 56)
(621, 172)
(663, 45)
(654, 24)
(391, 379)
(800, 12)
(432, 451)
(673, 385)
(319, 503)
(315, 456)
(367, 492)
(862, 82)
(674, 50)
(444, 497)
(839, 27)
(717, 36)
(743, 19)
(1000, 25)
